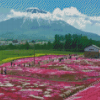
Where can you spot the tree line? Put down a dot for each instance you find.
(66, 42)
(73, 42)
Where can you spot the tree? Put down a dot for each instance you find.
(49, 45)
(10, 46)
(27, 46)
(68, 41)
(56, 44)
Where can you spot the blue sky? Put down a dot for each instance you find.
(89, 7)
(88, 11)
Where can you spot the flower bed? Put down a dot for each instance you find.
(51, 79)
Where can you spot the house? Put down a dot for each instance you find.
(2, 42)
(41, 43)
(14, 42)
(22, 41)
(9, 42)
(92, 52)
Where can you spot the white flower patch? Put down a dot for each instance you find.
(77, 97)
(1, 83)
(23, 89)
(30, 89)
(1, 94)
(67, 68)
(87, 70)
(19, 60)
(68, 92)
(77, 60)
(67, 87)
(61, 95)
(6, 81)
(18, 86)
(12, 89)
(26, 90)
(9, 84)
(15, 65)
(37, 97)
(19, 69)
(49, 89)
(39, 90)
(47, 95)
(73, 98)
(78, 87)
(36, 85)
(47, 92)
(26, 84)
(42, 85)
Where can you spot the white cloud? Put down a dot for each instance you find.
(70, 15)
(16, 14)
(70, 21)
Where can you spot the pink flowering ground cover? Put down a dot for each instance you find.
(50, 78)
(28, 88)
(90, 93)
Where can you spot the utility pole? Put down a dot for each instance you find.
(34, 50)
(34, 53)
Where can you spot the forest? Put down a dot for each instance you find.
(66, 42)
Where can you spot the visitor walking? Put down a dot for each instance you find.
(11, 63)
(5, 71)
(24, 65)
(39, 63)
(76, 58)
(29, 65)
(70, 56)
(1, 70)
(60, 59)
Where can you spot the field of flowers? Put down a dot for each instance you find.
(52, 77)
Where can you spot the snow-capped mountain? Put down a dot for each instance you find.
(35, 10)
(37, 27)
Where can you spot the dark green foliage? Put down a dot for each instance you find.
(10, 46)
(69, 42)
(57, 44)
(27, 46)
(74, 42)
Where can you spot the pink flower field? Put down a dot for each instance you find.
(51, 78)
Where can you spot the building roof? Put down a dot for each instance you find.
(94, 46)
(15, 41)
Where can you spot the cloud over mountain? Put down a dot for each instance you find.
(70, 15)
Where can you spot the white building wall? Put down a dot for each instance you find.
(91, 49)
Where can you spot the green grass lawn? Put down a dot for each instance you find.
(15, 54)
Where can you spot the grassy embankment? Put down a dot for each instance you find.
(9, 55)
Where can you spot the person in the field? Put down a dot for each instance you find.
(29, 65)
(76, 58)
(5, 71)
(24, 65)
(11, 63)
(1, 70)
(70, 56)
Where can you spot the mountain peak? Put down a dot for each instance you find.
(35, 10)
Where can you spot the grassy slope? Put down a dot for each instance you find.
(8, 55)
